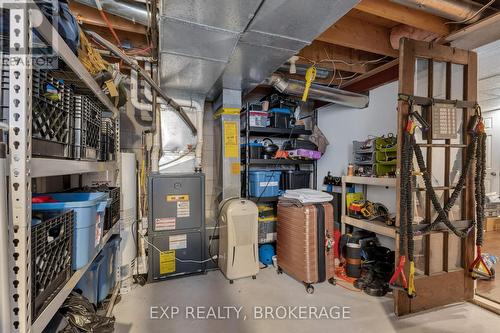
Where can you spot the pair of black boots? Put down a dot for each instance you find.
(375, 281)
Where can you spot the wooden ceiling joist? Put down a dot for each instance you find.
(377, 77)
(405, 15)
(136, 40)
(345, 59)
(91, 16)
(360, 35)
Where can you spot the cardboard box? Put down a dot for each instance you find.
(492, 224)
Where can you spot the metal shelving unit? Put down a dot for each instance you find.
(285, 133)
(24, 17)
(247, 162)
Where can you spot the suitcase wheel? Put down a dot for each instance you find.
(279, 270)
(254, 277)
(332, 281)
(231, 281)
(309, 288)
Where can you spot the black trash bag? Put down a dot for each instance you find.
(81, 314)
(59, 324)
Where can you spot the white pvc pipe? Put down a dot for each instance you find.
(155, 151)
(134, 93)
(4, 251)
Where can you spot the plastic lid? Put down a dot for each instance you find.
(253, 144)
(280, 110)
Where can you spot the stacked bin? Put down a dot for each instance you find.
(264, 183)
(89, 219)
(98, 282)
(51, 252)
(385, 156)
(364, 156)
(87, 128)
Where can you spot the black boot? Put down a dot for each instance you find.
(363, 281)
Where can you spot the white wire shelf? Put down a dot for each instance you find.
(48, 313)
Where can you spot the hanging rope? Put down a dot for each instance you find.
(476, 150)
(406, 215)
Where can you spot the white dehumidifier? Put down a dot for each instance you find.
(238, 244)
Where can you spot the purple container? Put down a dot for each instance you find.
(304, 153)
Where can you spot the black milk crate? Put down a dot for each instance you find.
(87, 128)
(51, 252)
(108, 141)
(112, 213)
(52, 118)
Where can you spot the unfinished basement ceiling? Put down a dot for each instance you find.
(208, 45)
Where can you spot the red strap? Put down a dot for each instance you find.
(399, 271)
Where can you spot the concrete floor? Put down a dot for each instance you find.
(367, 314)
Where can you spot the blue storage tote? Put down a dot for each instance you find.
(264, 183)
(88, 284)
(89, 211)
(107, 270)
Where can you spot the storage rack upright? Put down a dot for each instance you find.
(283, 133)
(22, 167)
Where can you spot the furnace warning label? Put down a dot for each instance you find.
(182, 208)
(166, 223)
(231, 136)
(180, 197)
(177, 242)
(167, 262)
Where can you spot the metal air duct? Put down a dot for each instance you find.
(319, 92)
(206, 46)
(455, 10)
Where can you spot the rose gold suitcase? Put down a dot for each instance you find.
(305, 243)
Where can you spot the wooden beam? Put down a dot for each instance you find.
(349, 60)
(359, 35)
(405, 15)
(88, 15)
(136, 40)
(377, 77)
(478, 34)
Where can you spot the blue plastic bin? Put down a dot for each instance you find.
(264, 183)
(107, 270)
(89, 211)
(88, 284)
